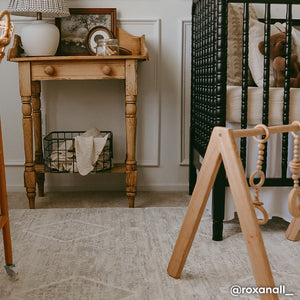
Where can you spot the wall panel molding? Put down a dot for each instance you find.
(186, 26)
(148, 103)
(14, 163)
(148, 106)
(158, 103)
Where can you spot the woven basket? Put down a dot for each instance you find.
(7, 29)
(60, 156)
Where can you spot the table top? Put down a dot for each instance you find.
(136, 45)
(77, 58)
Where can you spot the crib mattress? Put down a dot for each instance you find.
(255, 99)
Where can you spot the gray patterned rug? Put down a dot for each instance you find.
(120, 253)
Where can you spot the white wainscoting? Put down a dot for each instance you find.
(148, 103)
(148, 110)
(159, 103)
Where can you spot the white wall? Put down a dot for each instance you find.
(162, 150)
(163, 101)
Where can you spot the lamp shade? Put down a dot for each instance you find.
(30, 8)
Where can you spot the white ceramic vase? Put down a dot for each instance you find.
(40, 39)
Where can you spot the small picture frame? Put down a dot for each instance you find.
(75, 28)
(95, 34)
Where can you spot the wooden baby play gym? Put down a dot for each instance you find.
(222, 148)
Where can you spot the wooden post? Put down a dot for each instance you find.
(130, 116)
(37, 123)
(245, 210)
(25, 92)
(205, 181)
(4, 208)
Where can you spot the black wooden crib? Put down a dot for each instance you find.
(209, 87)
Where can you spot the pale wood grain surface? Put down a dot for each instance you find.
(32, 70)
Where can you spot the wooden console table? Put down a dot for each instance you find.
(33, 70)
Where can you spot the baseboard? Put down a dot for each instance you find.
(181, 187)
(142, 188)
(15, 189)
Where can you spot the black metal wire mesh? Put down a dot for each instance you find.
(60, 154)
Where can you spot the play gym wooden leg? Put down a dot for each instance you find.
(37, 124)
(245, 210)
(130, 119)
(205, 181)
(293, 231)
(4, 209)
(25, 91)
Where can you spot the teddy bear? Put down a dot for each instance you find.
(277, 54)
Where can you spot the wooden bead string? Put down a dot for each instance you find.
(260, 158)
(293, 204)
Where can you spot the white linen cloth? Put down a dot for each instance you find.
(63, 157)
(88, 147)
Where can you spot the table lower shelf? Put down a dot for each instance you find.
(117, 168)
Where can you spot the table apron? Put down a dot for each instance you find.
(77, 70)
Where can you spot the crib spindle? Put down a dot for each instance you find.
(194, 79)
(266, 82)
(221, 57)
(219, 106)
(244, 104)
(286, 97)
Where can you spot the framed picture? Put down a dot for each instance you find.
(74, 29)
(95, 35)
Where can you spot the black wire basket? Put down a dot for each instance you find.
(60, 154)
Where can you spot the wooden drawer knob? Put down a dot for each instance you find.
(49, 70)
(106, 70)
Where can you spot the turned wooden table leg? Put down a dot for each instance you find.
(37, 124)
(130, 116)
(25, 91)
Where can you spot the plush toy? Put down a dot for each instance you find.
(277, 53)
(279, 67)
